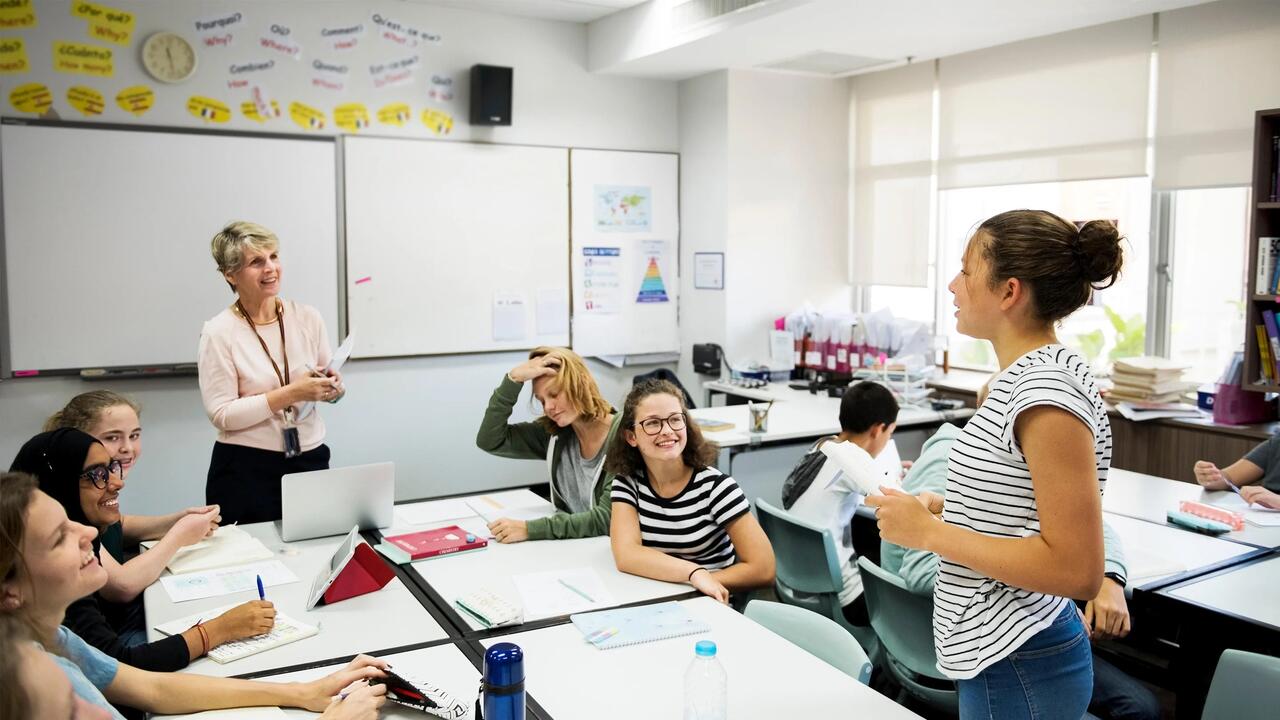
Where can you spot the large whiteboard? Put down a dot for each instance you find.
(455, 247)
(626, 245)
(107, 230)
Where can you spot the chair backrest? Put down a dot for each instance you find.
(821, 637)
(1246, 686)
(903, 620)
(665, 374)
(806, 554)
(866, 533)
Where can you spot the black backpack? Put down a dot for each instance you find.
(802, 475)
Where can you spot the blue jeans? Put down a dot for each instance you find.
(1049, 678)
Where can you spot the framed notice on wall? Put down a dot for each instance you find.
(708, 271)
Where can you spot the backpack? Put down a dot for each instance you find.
(802, 475)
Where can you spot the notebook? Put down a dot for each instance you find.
(488, 608)
(228, 545)
(609, 629)
(286, 630)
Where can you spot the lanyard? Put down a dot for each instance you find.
(283, 377)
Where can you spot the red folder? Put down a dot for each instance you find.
(363, 573)
(440, 541)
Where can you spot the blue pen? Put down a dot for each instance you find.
(262, 594)
(1230, 484)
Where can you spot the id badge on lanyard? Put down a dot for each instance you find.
(292, 445)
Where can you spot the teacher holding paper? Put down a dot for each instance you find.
(262, 361)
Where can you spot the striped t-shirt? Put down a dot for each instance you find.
(978, 621)
(691, 525)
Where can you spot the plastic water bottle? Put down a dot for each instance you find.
(705, 685)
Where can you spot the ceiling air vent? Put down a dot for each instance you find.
(692, 12)
(827, 64)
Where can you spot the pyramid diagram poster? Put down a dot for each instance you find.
(653, 258)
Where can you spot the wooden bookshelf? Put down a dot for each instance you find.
(1265, 222)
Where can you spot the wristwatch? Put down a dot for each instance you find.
(1117, 577)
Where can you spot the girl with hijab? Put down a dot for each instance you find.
(78, 473)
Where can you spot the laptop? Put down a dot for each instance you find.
(329, 502)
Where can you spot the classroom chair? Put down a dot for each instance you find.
(903, 622)
(866, 533)
(808, 569)
(665, 374)
(1246, 686)
(820, 637)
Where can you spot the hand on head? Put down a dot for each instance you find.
(541, 366)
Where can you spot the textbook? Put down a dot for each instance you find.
(433, 543)
(608, 629)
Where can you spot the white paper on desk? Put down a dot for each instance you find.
(547, 594)
(1254, 513)
(489, 514)
(224, 581)
(1142, 564)
(227, 546)
(433, 511)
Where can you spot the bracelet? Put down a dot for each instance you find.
(690, 578)
(204, 638)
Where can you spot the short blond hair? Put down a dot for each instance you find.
(229, 244)
(575, 381)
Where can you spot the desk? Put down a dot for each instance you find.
(448, 577)
(1249, 592)
(1147, 497)
(1154, 553)
(345, 627)
(768, 676)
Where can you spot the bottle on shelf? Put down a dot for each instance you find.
(705, 685)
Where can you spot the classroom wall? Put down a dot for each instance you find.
(421, 413)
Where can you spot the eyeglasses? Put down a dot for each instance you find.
(100, 474)
(653, 426)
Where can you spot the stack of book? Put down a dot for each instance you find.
(1147, 379)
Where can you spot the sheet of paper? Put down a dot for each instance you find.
(553, 311)
(489, 513)
(1254, 513)
(224, 581)
(561, 592)
(889, 463)
(433, 511)
(508, 316)
(1143, 565)
(343, 353)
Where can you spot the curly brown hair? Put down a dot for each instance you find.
(626, 460)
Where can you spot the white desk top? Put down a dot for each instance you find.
(1148, 497)
(492, 568)
(768, 676)
(1252, 591)
(803, 416)
(1154, 552)
(359, 624)
(442, 665)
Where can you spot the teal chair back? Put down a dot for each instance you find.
(819, 636)
(1246, 686)
(903, 622)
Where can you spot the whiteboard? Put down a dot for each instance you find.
(455, 247)
(107, 230)
(626, 243)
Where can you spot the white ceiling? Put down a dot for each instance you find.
(580, 11)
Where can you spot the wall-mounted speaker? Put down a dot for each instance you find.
(490, 95)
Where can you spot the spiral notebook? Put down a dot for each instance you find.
(608, 629)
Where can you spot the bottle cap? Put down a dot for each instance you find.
(503, 665)
(705, 648)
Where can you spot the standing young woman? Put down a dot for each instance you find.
(77, 471)
(47, 562)
(573, 435)
(261, 360)
(1020, 531)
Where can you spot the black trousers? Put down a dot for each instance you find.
(245, 481)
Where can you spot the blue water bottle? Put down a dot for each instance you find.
(502, 688)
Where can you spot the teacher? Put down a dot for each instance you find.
(263, 362)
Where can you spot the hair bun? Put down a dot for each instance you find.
(1100, 253)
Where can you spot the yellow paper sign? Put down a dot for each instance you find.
(17, 14)
(394, 114)
(439, 121)
(250, 110)
(352, 117)
(69, 57)
(13, 56)
(136, 100)
(85, 99)
(105, 23)
(208, 109)
(306, 117)
(31, 98)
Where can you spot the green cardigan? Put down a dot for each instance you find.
(531, 441)
(918, 568)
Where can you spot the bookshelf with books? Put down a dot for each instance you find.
(1262, 321)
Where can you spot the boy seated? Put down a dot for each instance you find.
(818, 492)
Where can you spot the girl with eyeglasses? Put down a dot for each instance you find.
(675, 517)
(76, 470)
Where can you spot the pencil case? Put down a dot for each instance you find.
(1211, 512)
(1198, 524)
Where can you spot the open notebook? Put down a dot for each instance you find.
(609, 629)
(286, 630)
(228, 545)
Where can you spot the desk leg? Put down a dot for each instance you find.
(725, 462)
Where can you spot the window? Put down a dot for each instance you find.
(1208, 235)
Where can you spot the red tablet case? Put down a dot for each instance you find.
(430, 543)
(364, 573)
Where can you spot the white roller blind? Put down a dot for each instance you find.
(893, 115)
(1219, 64)
(1071, 106)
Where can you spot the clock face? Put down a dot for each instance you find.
(168, 57)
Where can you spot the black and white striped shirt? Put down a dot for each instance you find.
(691, 525)
(978, 621)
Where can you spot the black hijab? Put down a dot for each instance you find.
(56, 459)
